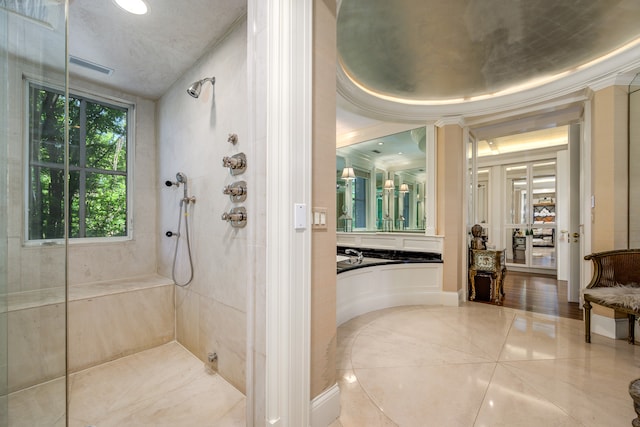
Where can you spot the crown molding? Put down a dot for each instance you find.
(451, 120)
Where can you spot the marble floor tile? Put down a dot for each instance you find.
(480, 365)
(510, 401)
(446, 395)
(165, 386)
(42, 405)
(357, 407)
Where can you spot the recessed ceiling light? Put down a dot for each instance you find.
(137, 7)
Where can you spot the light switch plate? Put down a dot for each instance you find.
(299, 216)
(319, 218)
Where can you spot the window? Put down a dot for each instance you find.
(359, 196)
(98, 147)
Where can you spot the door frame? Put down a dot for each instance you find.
(577, 111)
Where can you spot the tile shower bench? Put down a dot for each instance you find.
(386, 278)
(106, 320)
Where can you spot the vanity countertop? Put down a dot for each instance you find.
(376, 257)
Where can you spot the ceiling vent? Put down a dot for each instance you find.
(90, 65)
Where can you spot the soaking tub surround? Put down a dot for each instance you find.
(383, 278)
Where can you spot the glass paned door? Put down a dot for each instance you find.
(516, 205)
(543, 215)
(530, 226)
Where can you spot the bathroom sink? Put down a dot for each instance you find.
(349, 261)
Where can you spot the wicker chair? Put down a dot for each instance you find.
(615, 284)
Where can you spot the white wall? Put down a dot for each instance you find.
(192, 138)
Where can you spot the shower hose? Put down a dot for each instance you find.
(175, 252)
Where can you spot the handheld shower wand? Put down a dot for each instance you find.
(181, 178)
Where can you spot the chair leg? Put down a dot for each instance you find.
(632, 332)
(587, 321)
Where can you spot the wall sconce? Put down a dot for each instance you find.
(404, 188)
(388, 185)
(348, 174)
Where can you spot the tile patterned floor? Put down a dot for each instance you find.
(475, 365)
(480, 365)
(162, 387)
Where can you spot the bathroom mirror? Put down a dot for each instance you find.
(381, 183)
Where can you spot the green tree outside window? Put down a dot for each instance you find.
(97, 166)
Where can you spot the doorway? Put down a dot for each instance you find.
(519, 181)
(530, 215)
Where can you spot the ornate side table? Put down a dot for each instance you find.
(493, 264)
(634, 391)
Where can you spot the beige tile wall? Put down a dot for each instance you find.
(192, 136)
(451, 175)
(101, 329)
(609, 169)
(111, 326)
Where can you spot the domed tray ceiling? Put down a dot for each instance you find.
(422, 50)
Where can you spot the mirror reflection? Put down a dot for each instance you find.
(380, 183)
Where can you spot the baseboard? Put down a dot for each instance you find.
(609, 327)
(325, 408)
(452, 299)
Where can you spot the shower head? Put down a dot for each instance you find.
(181, 177)
(194, 89)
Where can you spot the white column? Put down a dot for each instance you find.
(430, 185)
(282, 80)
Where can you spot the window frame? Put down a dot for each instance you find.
(92, 97)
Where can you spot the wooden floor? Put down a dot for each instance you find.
(540, 294)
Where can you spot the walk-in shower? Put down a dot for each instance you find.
(181, 179)
(196, 87)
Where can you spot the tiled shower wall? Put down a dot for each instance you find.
(192, 138)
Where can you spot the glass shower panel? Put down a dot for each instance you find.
(32, 274)
(4, 136)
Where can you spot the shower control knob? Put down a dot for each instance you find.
(234, 217)
(171, 234)
(233, 162)
(236, 191)
(237, 163)
(237, 217)
(233, 191)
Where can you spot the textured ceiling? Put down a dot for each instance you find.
(435, 50)
(148, 52)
